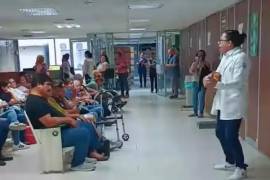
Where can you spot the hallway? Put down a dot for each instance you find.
(164, 144)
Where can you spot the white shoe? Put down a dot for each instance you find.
(238, 174)
(84, 167)
(20, 146)
(16, 126)
(225, 167)
(90, 160)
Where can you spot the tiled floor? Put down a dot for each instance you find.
(164, 144)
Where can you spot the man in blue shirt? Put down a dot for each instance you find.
(173, 70)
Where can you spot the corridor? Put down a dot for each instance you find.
(164, 144)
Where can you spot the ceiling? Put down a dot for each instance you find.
(102, 16)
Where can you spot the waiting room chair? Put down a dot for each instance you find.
(53, 157)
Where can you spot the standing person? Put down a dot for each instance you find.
(173, 70)
(40, 65)
(142, 69)
(153, 74)
(122, 68)
(199, 69)
(66, 68)
(88, 66)
(231, 78)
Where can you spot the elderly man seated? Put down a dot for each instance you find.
(74, 133)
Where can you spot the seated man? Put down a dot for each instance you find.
(61, 104)
(42, 115)
(4, 128)
(58, 103)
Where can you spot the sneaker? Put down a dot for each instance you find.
(3, 158)
(200, 116)
(84, 167)
(2, 163)
(90, 160)
(225, 167)
(16, 126)
(192, 115)
(20, 146)
(238, 174)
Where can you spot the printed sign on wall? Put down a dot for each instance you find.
(254, 34)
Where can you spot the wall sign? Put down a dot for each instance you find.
(254, 34)
(209, 38)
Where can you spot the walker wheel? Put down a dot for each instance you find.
(125, 137)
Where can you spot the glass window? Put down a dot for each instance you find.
(29, 49)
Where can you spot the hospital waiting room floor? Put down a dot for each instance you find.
(164, 144)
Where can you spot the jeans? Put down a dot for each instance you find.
(227, 131)
(153, 80)
(84, 139)
(142, 75)
(123, 80)
(4, 128)
(175, 84)
(87, 78)
(12, 117)
(198, 98)
(96, 109)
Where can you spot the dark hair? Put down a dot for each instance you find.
(235, 37)
(88, 54)
(40, 79)
(3, 84)
(58, 84)
(106, 58)
(201, 51)
(65, 57)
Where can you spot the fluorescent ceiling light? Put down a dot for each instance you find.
(135, 35)
(69, 26)
(37, 32)
(146, 6)
(59, 26)
(39, 11)
(137, 29)
(138, 20)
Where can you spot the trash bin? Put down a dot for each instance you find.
(189, 90)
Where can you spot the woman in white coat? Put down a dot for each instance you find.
(230, 80)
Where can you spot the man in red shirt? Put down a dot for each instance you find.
(122, 68)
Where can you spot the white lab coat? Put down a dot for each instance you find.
(231, 96)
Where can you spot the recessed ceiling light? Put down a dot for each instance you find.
(69, 26)
(146, 6)
(39, 11)
(138, 20)
(137, 29)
